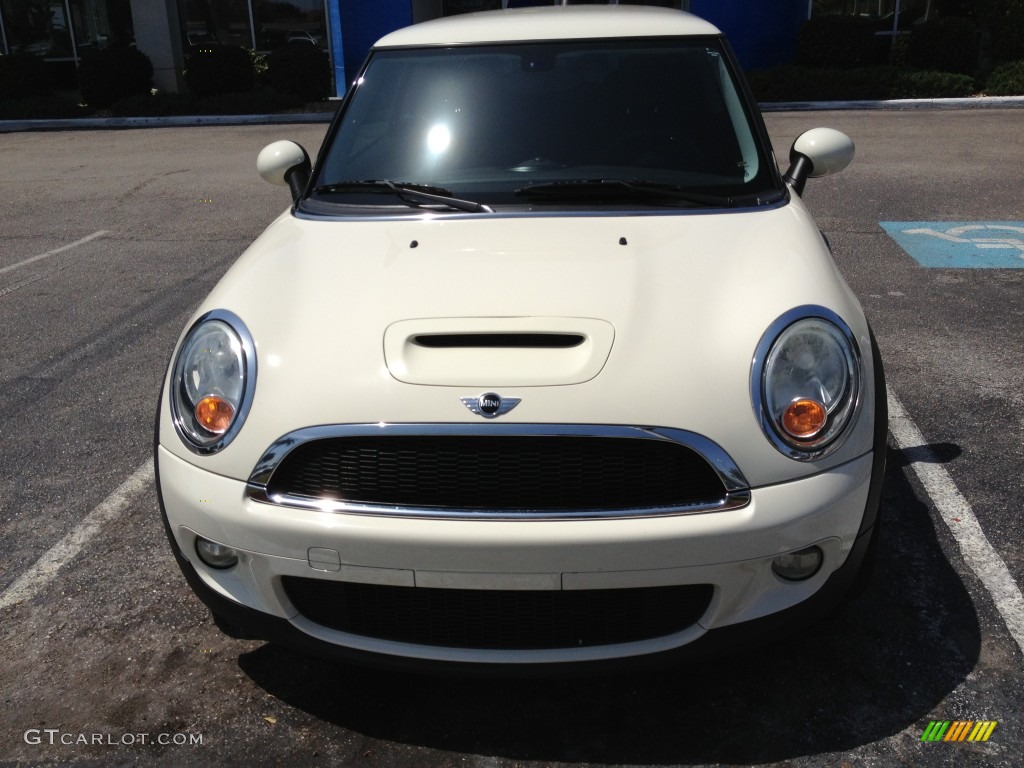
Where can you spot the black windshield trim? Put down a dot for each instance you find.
(319, 210)
(594, 190)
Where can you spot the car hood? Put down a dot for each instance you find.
(658, 318)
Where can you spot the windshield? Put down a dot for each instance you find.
(634, 122)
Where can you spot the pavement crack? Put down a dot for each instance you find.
(22, 283)
(146, 182)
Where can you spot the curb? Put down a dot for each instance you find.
(974, 102)
(116, 123)
(184, 121)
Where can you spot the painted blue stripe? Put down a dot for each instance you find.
(961, 244)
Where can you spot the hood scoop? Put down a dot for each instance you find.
(497, 351)
(500, 340)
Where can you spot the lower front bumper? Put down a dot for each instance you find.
(731, 551)
(243, 622)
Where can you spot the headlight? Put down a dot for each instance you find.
(805, 382)
(212, 382)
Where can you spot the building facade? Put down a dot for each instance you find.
(62, 31)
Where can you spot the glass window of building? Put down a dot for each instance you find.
(37, 26)
(258, 24)
(910, 11)
(101, 23)
(295, 21)
(63, 29)
(216, 21)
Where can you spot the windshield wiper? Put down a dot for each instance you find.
(413, 195)
(618, 189)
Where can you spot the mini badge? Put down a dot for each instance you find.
(490, 405)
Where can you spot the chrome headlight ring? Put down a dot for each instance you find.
(213, 380)
(806, 382)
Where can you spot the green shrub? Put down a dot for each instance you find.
(300, 69)
(909, 84)
(259, 65)
(783, 83)
(256, 103)
(898, 50)
(40, 108)
(155, 105)
(840, 42)
(24, 76)
(1007, 80)
(945, 44)
(114, 73)
(218, 69)
(178, 104)
(792, 83)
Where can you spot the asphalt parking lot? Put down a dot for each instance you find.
(108, 239)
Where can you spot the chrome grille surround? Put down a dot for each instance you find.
(735, 489)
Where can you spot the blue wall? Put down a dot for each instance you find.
(358, 26)
(763, 34)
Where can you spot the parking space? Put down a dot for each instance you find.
(104, 639)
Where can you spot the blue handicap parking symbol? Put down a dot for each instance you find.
(961, 244)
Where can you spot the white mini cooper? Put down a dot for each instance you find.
(546, 363)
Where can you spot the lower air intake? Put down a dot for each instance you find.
(498, 619)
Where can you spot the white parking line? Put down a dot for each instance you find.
(55, 251)
(45, 568)
(957, 514)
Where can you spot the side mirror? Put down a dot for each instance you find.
(287, 164)
(817, 152)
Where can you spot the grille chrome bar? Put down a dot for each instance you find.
(734, 488)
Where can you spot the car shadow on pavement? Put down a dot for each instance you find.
(875, 668)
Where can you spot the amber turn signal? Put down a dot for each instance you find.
(803, 419)
(214, 414)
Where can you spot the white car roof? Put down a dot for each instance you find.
(574, 22)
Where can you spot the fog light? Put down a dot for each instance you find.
(216, 555)
(799, 565)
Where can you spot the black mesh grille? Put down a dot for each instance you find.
(499, 472)
(498, 619)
